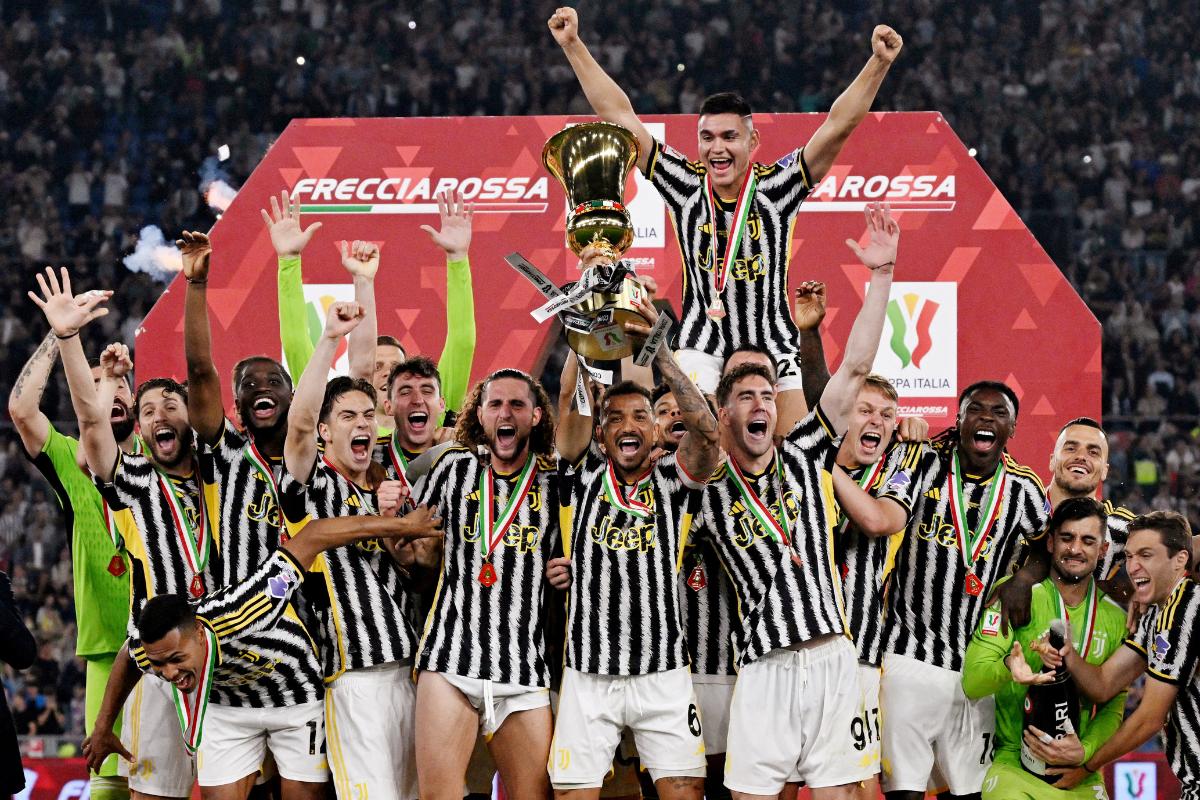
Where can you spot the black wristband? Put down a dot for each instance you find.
(884, 264)
(64, 338)
(197, 281)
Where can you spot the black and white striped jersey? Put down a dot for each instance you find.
(756, 294)
(709, 607)
(494, 632)
(247, 492)
(267, 658)
(1116, 533)
(163, 551)
(626, 552)
(865, 563)
(785, 575)
(358, 593)
(930, 615)
(1168, 637)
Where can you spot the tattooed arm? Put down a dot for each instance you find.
(24, 402)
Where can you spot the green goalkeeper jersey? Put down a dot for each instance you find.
(985, 673)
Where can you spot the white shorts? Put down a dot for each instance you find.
(714, 693)
(236, 741)
(660, 710)
(495, 701)
(150, 732)
(865, 730)
(370, 730)
(704, 370)
(928, 722)
(791, 720)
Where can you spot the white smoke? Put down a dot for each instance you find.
(154, 255)
(214, 184)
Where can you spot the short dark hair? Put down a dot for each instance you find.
(1086, 422)
(389, 341)
(725, 103)
(163, 614)
(660, 391)
(1172, 528)
(726, 384)
(166, 384)
(343, 384)
(757, 350)
(421, 366)
(239, 370)
(624, 389)
(996, 386)
(1076, 508)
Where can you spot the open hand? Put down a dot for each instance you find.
(100, 745)
(421, 522)
(63, 311)
(455, 215)
(197, 251)
(1020, 670)
(883, 238)
(649, 313)
(1064, 752)
(283, 223)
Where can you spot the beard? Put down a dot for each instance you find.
(123, 430)
(1067, 577)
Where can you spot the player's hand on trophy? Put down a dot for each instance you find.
(455, 215)
(196, 251)
(100, 745)
(564, 25)
(360, 259)
(886, 43)
(558, 573)
(283, 223)
(1064, 752)
(646, 309)
(115, 362)
(342, 318)
(810, 305)
(650, 285)
(1020, 670)
(883, 237)
(598, 255)
(66, 313)
(391, 496)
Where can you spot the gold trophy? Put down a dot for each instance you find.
(592, 162)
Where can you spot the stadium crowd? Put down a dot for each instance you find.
(1085, 113)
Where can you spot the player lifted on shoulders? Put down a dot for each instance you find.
(733, 216)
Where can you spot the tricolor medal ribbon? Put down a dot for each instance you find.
(629, 504)
(971, 543)
(864, 482)
(192, 707)
(779, 530)
(263, 468)
(197, 545)
(733, 242)
(1091, 605)
(400, 464)
(116, 565)
(491, 532)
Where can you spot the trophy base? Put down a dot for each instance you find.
(596, 325)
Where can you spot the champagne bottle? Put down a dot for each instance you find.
(1052, 708)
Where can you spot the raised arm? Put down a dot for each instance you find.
(204, 385)
(700, 448)
(573, 433)
(67, 317)
(853, 104)
(458, 350)
(300, 449)
(25, 399)
(879, 256)
(361, 260)
(873, 516)
(810, 313)
(607, 99)
(289, 239)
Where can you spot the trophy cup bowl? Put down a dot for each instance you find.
(592, 161)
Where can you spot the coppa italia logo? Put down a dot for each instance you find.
(906, 317)
(419, 195)
(318, 297)
(1135, 780)
(919, 349)
(902, 192)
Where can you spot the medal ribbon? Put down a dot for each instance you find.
(1091, 604)
(630, 505)
(970, 544)
(864, 482)
(192, 710)
(263, 467)
(487, 505)
(196, 544)
(396, 453)
(777, 531)
(733, 242)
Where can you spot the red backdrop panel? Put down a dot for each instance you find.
(976, 296)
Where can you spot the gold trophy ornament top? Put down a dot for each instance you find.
(592, 161)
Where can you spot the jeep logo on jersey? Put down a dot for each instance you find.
(902, 192)
(410, 195)
(919, 349)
